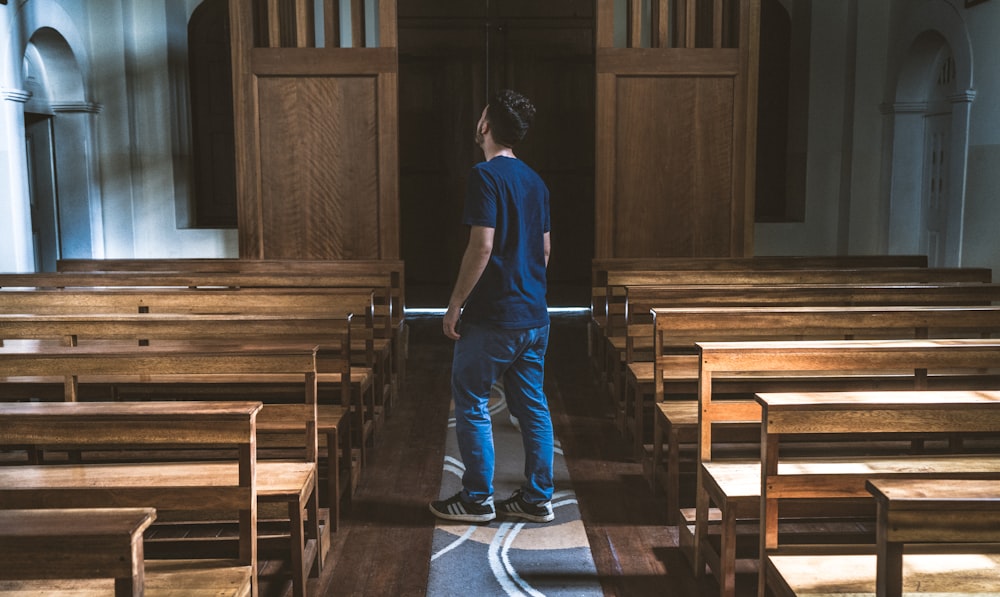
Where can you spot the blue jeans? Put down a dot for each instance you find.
(483, 354)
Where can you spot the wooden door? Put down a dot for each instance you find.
(676, 114)
(452, 54)
(316, 129)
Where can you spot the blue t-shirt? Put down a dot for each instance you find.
(507, 195)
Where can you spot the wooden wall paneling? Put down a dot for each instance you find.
(321, 188)
(677, 183)
(604, 24)
(388, 160)
(304, 31)
(634, 23)
(331, 23)
(673, 197)
(273, 23)
(358, 23)
(749, 38)
(604, 168)
(316, 139)
(245, 116)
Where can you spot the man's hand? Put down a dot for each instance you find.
(450, 323)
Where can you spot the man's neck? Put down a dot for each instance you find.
(492, 150)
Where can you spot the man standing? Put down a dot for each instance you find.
(504, 327)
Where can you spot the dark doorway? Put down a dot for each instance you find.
(451, 54)
(40, 151)
(213, 139)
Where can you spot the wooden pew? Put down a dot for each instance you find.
(614, 306)
(225, 485)
(835, 478)
(74, 543)
(635, 348)
(288, 483)
(331, 334)
(609, 308)
(601, 266)
(391, 295)
(734, 487)
(372, 343)
(942, 516)
(676, 330)
(371, 362)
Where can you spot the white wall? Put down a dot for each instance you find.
(140, 132)
(982, 209)
(848, 166)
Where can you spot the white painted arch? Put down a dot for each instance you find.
(929, 28)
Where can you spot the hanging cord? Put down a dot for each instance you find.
(486, 86)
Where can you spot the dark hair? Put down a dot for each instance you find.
(509, 114)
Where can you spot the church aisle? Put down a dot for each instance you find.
(384, 545)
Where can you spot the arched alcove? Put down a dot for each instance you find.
(44, 86)
(57, 131)
(929, 124)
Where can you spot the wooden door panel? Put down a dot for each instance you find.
(545, 50)
(320, 139)
(675, 129)
(316, 131)
(673, 174)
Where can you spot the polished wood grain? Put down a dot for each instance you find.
(677, 329)
(75, 543)
(836, 478)
(816, 357)
(929, 511)
(138, 485)
(676, 186)
(288, 482)
(302, 193)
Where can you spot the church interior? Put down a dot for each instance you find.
(230, 229)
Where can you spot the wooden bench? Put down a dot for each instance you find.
(331, 334)
(676, 330)
(67, 544)
(834, 478)
(734, 488)
(390, 295)
(371, 340)
(609, 308)
(614, 315)
(635, 349)
(371, 360)
(228, 485)
(601, 266)
(288, 483)
(938, 516)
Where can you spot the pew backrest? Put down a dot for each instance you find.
(391, 272)
(820, 357)
(612, 306)
(601, 266)
(155, 424)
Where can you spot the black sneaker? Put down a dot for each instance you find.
(516, 506)
(455, 508)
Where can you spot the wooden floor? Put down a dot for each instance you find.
(383, 547)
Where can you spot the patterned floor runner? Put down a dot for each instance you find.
(508, 557)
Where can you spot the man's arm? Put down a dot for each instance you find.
(477, 255)
(547, 240)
